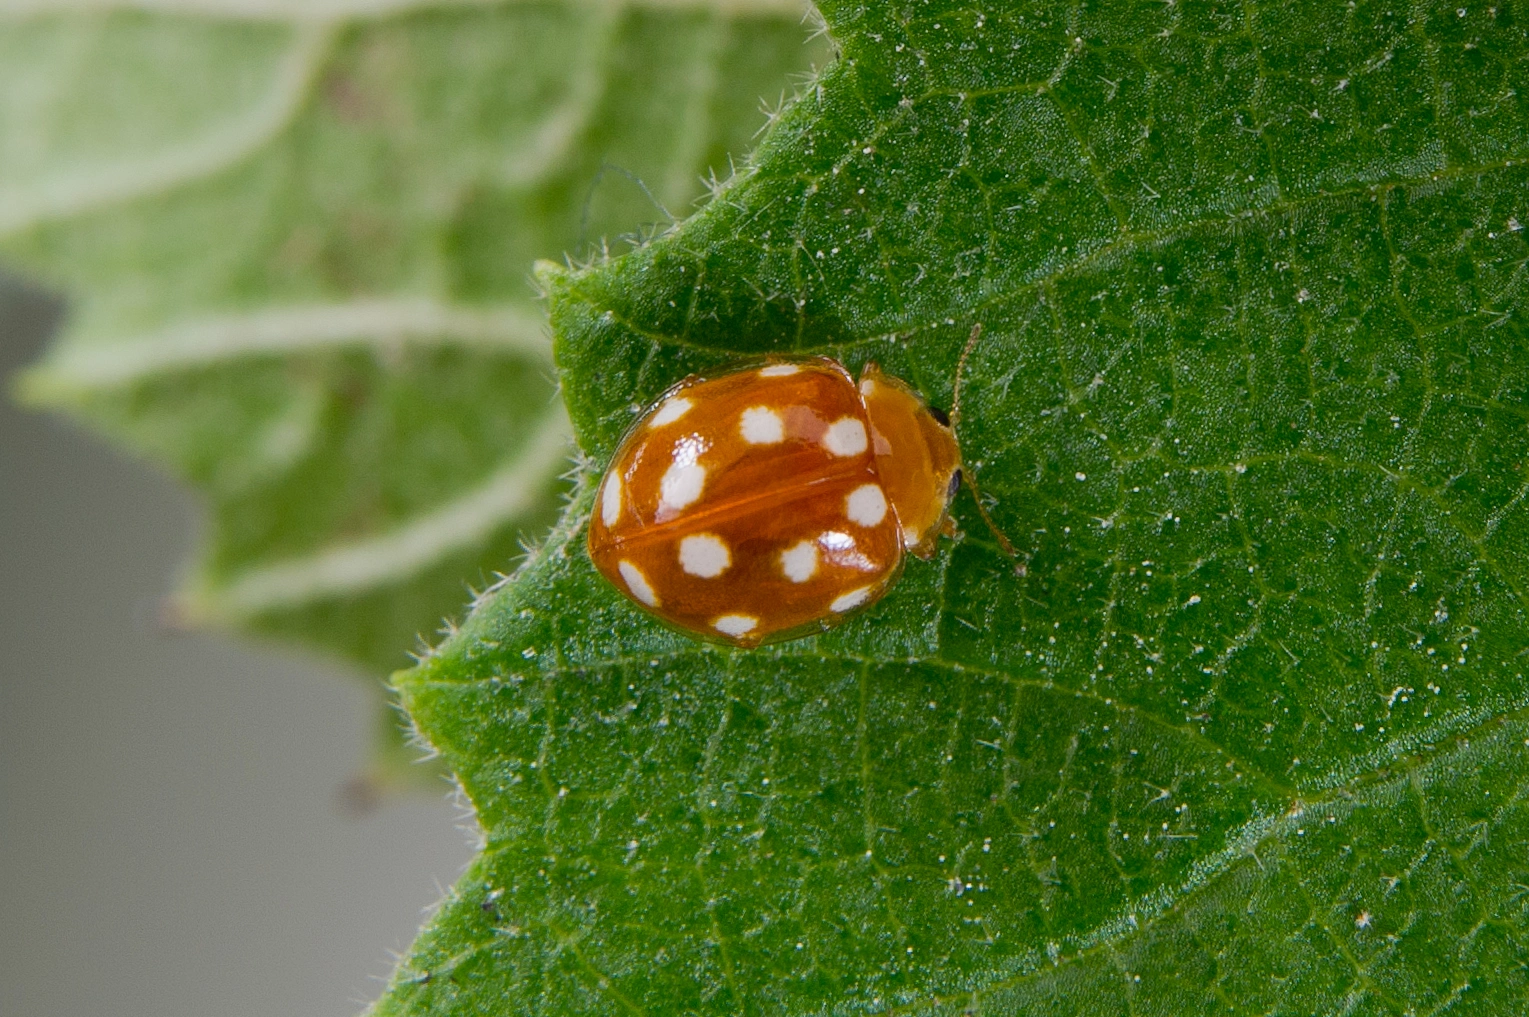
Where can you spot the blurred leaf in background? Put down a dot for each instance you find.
(296, 243)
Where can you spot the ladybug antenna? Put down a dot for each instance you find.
(966, 475)
(966, 351)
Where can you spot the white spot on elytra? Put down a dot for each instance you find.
(761, 425)
(681, 485)
(735, 624)
(850, 601)
(867, 387)
(846, 437)
(704, 555)
(866, 505)
(778, 371)
(610, 500)
(800, 561)
(910, 536)
(638, 583)
(673, 409)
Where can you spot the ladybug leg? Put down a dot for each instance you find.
(1003, 540)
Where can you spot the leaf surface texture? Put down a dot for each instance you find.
(1247, 733)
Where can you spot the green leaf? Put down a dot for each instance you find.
(1248, 732)
(299, 256)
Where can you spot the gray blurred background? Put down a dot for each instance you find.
(175, 837)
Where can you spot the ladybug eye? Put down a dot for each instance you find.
(955, 485)
(940, 415)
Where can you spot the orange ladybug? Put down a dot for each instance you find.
(772, 502)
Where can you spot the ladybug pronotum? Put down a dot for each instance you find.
(774, 501)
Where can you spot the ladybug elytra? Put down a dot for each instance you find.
(774, 501)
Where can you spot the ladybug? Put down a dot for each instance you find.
(774, 501)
